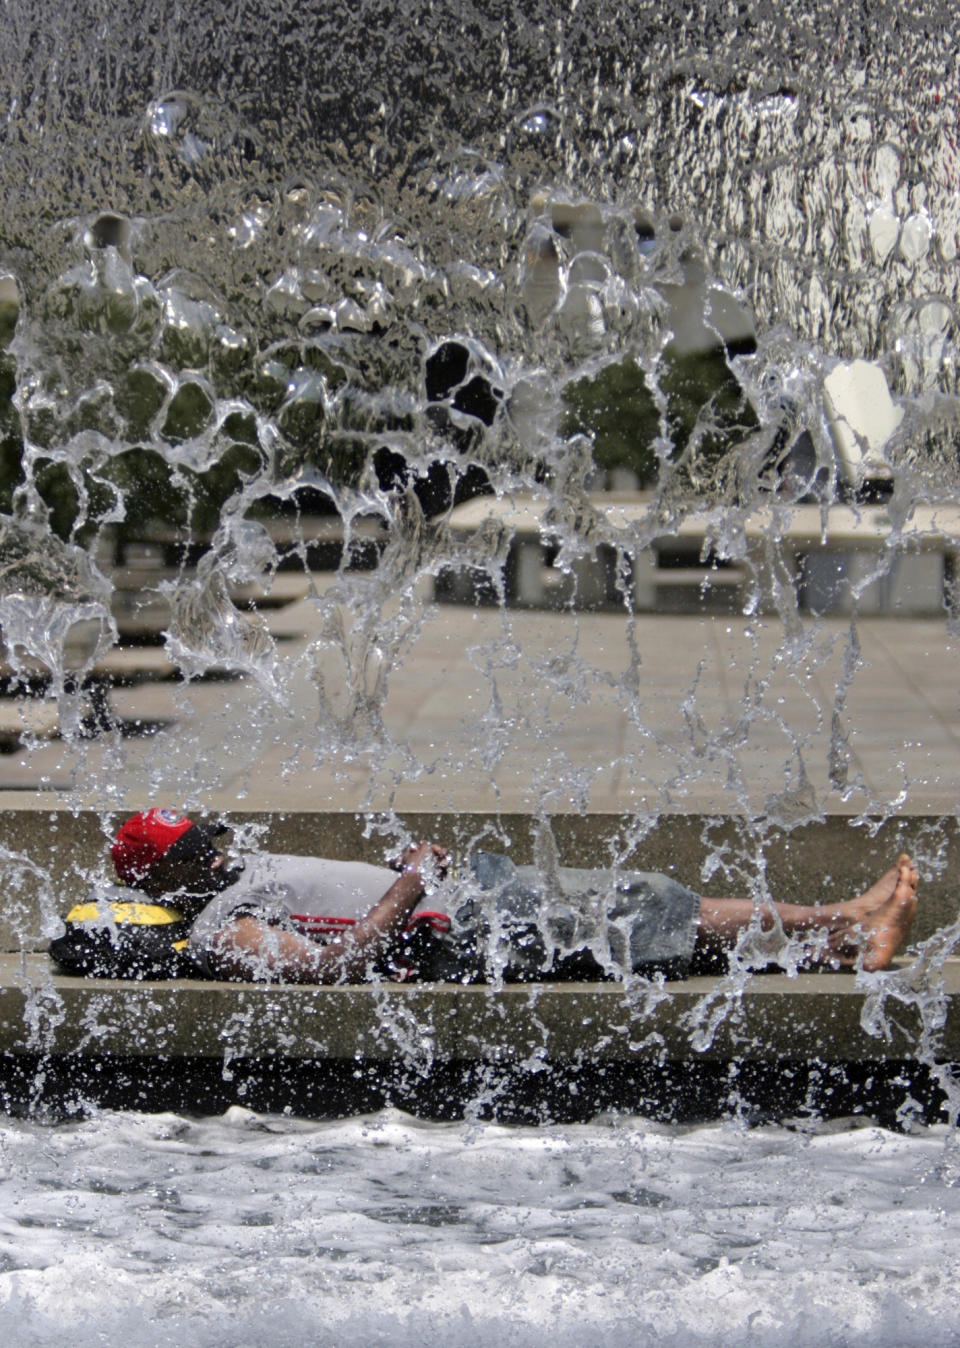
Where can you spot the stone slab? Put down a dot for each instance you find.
(804, 1018)
(887, 741)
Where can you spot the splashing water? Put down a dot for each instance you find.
(280, 286)
(274, 282)
(254, 1228)
(371, 266)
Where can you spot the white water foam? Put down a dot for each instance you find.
(247, 1229)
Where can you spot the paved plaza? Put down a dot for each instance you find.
(521, 710)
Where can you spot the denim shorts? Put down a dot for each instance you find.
(519, 924)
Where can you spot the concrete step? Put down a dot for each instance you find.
(804, 1018)
(321, 537)
(33, 717)
(284, 588)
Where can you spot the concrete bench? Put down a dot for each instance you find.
(835, 558)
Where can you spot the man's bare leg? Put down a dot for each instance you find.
(874, 924)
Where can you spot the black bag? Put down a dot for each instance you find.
(117, 933)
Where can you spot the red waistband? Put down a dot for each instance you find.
(313, 925)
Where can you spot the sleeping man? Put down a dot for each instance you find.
(260, 920)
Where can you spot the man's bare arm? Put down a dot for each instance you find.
(250, 949)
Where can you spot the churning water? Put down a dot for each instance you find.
(365, 261)
(255, 1229)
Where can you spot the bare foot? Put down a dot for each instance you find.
(878, 921)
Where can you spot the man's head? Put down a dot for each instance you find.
(164, 853)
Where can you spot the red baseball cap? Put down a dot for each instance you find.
(147, 837)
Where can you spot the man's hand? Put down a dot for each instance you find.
(428, 860)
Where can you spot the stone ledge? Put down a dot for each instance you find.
(811, 1017)
(50, 858)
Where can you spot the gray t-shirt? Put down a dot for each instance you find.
(275, 886)
(508, 922)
